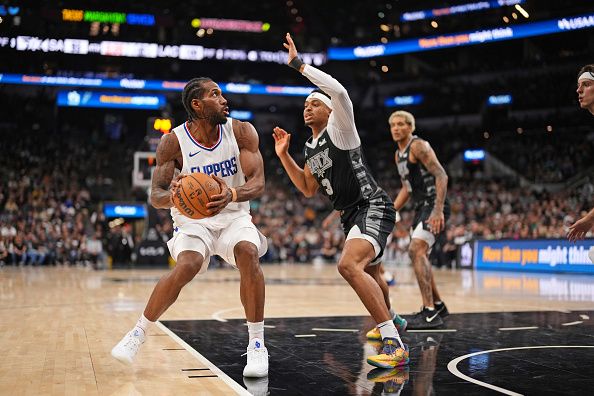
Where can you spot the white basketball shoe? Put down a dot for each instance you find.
(257, 359)
(128, 347)
(256, 386)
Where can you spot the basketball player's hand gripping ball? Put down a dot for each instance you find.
(191, 195)
(221, 199)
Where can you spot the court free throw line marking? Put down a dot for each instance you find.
(452, 365)
(577, 322)
(304, 335)
(432, 331)
(341, 330)
(215, 370)
(518, 328)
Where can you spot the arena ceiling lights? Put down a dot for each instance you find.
(406, 46)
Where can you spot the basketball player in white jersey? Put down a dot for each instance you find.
(210, 142)
(585, 91)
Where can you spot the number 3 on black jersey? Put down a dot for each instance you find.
(326, 184)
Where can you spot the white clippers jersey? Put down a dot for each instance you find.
(222, 160)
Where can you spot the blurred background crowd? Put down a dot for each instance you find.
(59, 165)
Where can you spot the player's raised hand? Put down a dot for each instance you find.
(290, 45)
(281, 141)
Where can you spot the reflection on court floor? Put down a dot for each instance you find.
(326, 355)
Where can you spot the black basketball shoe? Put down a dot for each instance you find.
(442, 309)
(425, 319)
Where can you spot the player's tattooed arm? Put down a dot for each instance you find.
(163, 185)
(251, 161)
(423, 152)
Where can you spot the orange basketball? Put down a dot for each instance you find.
(194, 193)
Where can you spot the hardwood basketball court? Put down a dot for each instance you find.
(58, 326)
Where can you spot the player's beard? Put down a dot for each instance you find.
(216, 118)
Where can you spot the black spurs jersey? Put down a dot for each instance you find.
(343, 175)
(418, 181)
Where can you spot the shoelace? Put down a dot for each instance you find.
(260, 354)
(132, 342)
(391, 348)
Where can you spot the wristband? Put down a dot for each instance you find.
(233, 194)
(296, 63)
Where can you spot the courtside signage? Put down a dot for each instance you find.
(152, 85)
(547, 255)
(76, 98)
(124, 210)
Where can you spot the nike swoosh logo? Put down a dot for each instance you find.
(193, 154)
(429, 319)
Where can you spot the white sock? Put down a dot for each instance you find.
(143, 324)
(437, 302)
(256, 330)
(388, 330)
(431, 308)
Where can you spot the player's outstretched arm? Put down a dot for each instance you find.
(163, 185)
(342, 107)
(303, 179)
(580, 228)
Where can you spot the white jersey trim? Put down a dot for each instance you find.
(198, 144)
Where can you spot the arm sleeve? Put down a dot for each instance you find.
(341, 124)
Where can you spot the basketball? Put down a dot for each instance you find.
(194, 193)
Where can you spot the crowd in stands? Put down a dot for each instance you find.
(47, 215)
(57, 167)
(51, 185)
(485, 209)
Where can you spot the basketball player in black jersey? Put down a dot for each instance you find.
(335, 166)
(426, 181)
